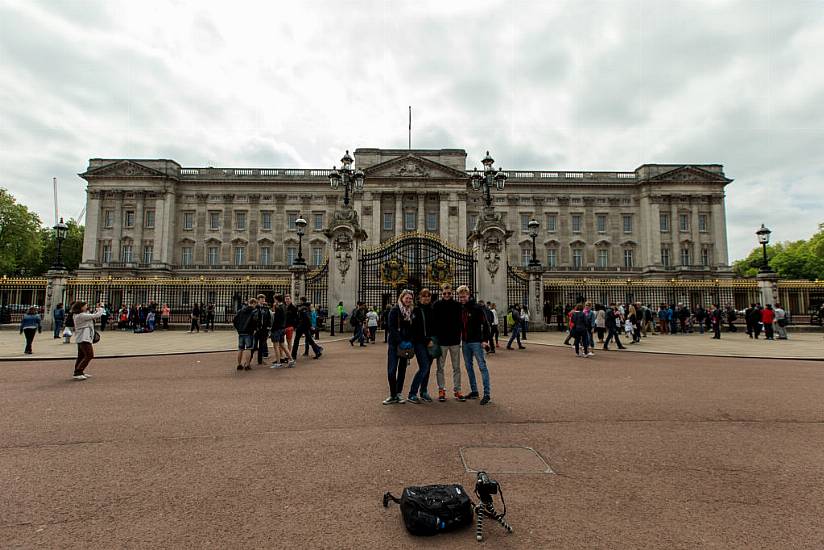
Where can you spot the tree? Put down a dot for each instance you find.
(72, 248)
(20, 244)
(791, 260)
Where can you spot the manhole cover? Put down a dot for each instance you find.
(504, 460)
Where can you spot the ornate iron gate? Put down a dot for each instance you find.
(413, 261)
(317, 286)
(517, 286)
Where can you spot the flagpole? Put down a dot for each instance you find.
(410, 127)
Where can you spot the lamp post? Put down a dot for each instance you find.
(300, 224)
(484, 182)
(532, 227)
(351, 179)
(764, 239)
(60, 232)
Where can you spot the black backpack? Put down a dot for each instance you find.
(69, 320)
(433, 509)
(245, 322)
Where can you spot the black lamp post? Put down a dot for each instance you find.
(532, 227)
(60, 232)
(300, 224)
(764, 239)
(352, 179)
(486, 180)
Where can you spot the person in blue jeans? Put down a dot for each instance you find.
(423, 323)
(399, 326)
(59, 316)
(475, 330)
(516, 327)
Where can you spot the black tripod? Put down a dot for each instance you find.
(484, 489)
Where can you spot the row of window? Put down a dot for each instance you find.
(410, 221)
(129, 218)
(684, 222)
(576, 221)
(316, 255)
(602, 258)
(686, 256)
(214, 221)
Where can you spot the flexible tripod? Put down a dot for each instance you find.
(487, 508)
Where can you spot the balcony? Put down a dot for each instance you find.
(591, 269)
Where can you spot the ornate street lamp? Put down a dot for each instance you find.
(300, 224)
(764, 239)
(60, 232)
(352, 179)
(486, 180)
(532, 228)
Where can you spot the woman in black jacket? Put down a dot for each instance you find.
(399, 325)
(423, 321)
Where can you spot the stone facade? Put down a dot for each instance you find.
(156, 218)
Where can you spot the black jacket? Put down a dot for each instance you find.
(399, 328)
(474, 326)
(278, 317)
(580, 322)
(610, 320)
(448, 324)
(423, 321)
(291, 315)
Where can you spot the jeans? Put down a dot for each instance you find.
(454, 355)
(304, 332)
(421, 379)
(58, 327)
(261, 346)
(476, 350)
(358, 335)
(29, 334)
(613, 334)
(782, 332)
(516, 335)
(581, 336)
(396, 370)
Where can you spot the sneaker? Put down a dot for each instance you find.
(521, 347)
(473, 395)
(441, 395)
(240, 367)
(275, 365)
(414, 399)
(79, 377)
(400, 399)
(391, 400)
(426, 397)
(87, 375)
(459, 396)
(486, 400)
(590, 354)
(247, 367)
(290, 364)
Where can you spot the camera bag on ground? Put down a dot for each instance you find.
(433, 509)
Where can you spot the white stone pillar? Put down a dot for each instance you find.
(90, 237)
(536, 298)
(421, 214)
(462, 230)
(55, 292)
(398, 213)
(768, 286)
(443, 217)
(117, 241)
(298, 283)
(377, 220)
(166, 242)
(452, 220)
(719, 230)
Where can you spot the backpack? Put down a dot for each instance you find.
(353, 319)
(244, 322)
(69, 321)
(433, 509)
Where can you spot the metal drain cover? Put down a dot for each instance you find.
(504, 460)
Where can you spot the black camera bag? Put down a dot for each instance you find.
(433, 509)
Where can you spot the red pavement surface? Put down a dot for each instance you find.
(649, 452)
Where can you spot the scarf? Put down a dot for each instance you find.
(405, 311)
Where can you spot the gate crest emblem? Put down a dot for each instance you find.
(440, 271)
(393, 272)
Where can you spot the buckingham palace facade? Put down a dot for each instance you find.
(154, 217)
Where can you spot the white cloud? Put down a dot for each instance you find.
(557, 85)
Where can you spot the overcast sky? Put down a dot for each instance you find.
(579, 85)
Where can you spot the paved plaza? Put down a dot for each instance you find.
(184, 451)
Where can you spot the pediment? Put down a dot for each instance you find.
(690, 174)
(412, 166)
(124, 169)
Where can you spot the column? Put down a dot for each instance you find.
(90, 244)
(117, 231)
(461, 241)
(453, 220)
(719, 231)
(140, 198)
(695, 236)
(398, 213)
(421, 225)
(377, 219)
(167, 242)
(443, 217)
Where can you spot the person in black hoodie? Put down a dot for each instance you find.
(448, 332)
(612, 321)
(474, 331)
(580, 331)
(399, 325)
(304, 328)
(423, 321)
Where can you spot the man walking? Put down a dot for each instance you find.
(717, 319)
(517, 323)
(59, 315)
(304, 328)
(357, 321)
(448, 332)
(245, 323)
(474, 331)
(613, 321)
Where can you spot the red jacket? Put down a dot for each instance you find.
(767, 316)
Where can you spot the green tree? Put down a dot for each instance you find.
(791, 260)
(72, 248)
(20, 244)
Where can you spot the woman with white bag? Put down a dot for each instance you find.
(85, 336)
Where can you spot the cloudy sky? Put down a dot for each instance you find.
(542, 84)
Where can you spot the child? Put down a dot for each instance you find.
(628, 328)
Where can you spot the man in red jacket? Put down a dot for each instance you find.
(768, 317)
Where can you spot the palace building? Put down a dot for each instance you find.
(156, 218)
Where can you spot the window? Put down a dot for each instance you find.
(665, 257)
(685, 256)
(107, 252)
(551, 222)
(318, 219)
(601, 223)
(265, 255)
(317, 255)
(524, 222)
(291, 254)
(240, 255)
(409, 220)
(291, 218)
(186, 256)
(683, 222)
(664, 222)
(108, 219)
(627, 218)
(702, 223)
(576, 223)
(214, 220)
(240, 221)
(628, 262)
(148, 251)
(705, 256)
(552, 257)
(473, 221)
(431, 221)
(266, 221)
(577, 258)
(127, 253)
(388, 221)
(213, 255)
(526, 255)
(603, 257)
(188, 220)
(129, 218)
(149, 220)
